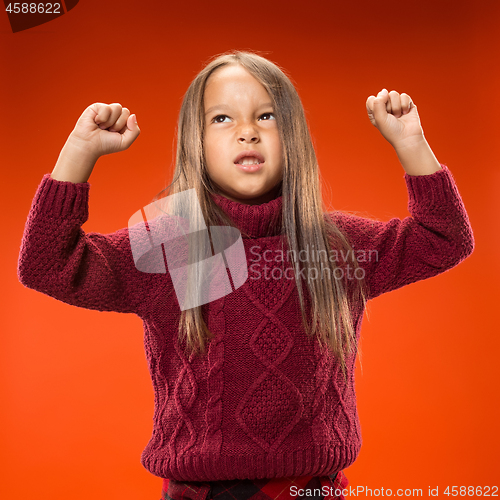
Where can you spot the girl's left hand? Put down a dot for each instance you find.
(396, 118)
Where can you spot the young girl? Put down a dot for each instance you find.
(254, 389)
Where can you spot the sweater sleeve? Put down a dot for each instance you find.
(89, 270)
(435, 238)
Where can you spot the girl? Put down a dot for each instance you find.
(251, 397)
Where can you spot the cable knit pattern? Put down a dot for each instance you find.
(265, 401)
(272, 405)
(185, 392)
(320, 428)
(215, 386)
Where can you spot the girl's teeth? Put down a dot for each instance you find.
(249, 161)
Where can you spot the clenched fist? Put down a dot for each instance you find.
(100, 130)
(105, 128)
(396, 117)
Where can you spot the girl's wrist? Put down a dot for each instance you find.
(74, 164)
(417, 157)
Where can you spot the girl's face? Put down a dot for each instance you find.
(239, 117)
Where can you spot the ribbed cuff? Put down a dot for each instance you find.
(62, 199)
(436, 188)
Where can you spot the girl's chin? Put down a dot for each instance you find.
(251, 198)
(251, 195)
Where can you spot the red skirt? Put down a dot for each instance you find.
(324, 487)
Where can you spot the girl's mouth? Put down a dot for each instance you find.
(250, 160)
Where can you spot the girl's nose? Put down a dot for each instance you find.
(247, 132)
(248, 137)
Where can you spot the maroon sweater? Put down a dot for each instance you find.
(265, 401)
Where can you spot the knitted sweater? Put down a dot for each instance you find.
(265, 401)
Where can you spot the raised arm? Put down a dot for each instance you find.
(57, 257)
(438, 235)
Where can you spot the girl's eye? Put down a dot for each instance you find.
(216, 119)
(219, 116)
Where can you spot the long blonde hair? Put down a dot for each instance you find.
(303, 215)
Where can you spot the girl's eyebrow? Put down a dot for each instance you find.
(225, 106)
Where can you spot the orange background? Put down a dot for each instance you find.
(75, 389)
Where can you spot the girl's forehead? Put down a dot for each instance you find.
(231, 78)
(233, 86)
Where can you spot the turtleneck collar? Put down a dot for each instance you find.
(258, 221)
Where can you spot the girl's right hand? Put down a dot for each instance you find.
(103, 129)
